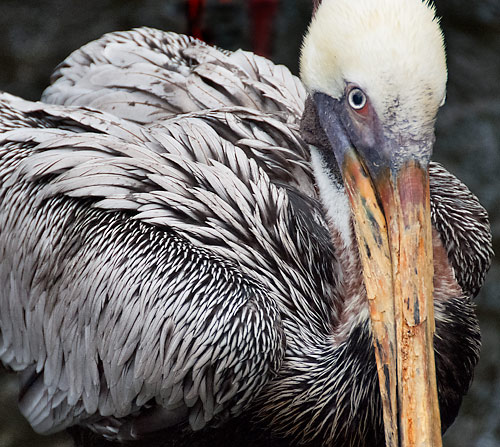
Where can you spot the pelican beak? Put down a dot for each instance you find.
(392, 222)
(388, 190)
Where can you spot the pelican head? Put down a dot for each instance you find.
(393, 51)
(376, 74)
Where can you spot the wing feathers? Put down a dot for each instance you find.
(145, 75)
(155, 289)
(133, 312)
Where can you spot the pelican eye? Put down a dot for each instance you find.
(357, 99)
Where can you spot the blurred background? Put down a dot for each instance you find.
(35, 35)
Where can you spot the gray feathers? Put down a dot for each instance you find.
(146, 75)
(464, 226)
(158, 296)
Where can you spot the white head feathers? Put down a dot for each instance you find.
(392, 49)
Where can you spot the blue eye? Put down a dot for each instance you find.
(356, 98)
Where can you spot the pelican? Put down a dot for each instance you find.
(178, 250)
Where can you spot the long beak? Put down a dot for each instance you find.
(393, 229)
(388, 189)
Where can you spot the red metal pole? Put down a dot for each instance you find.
(262, 13)
(195, 18)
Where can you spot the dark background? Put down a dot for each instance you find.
(35, 35)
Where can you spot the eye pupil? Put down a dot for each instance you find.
(357, 99)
